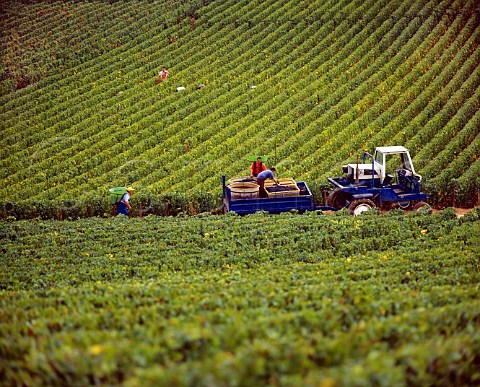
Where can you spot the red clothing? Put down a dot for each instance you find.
(256, 168)
(162, 75)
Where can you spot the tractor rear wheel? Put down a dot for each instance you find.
(423, 207)
(337, 198)
(360, 206)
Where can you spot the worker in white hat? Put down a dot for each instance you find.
(124, 205)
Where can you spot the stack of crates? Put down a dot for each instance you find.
(293, 189)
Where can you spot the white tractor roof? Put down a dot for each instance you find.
(391, 149)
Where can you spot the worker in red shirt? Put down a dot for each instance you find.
(162, 75)
(257, 167)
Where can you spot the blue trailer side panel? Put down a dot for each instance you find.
(302, 202)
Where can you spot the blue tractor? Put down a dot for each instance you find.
(388, 181)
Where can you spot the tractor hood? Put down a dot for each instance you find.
(364, 171)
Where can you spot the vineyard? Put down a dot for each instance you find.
(291, 300)
(308, 83)
(194, 299)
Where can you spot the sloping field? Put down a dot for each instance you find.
(287, 300)
(290, 300)
(81, 109)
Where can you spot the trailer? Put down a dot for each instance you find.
(301, 202)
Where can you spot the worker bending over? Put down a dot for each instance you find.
(262, 176)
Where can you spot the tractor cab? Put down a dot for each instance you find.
(395, 165)
(397, 171)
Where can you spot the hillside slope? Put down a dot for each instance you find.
(204, 301)
(81, 109)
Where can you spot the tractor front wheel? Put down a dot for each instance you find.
(360, 206)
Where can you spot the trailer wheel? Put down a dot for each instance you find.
(360, 206)
(404, 204)
(337, 198)
(223, 209)
(423, 207)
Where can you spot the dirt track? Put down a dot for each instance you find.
(459, 211)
